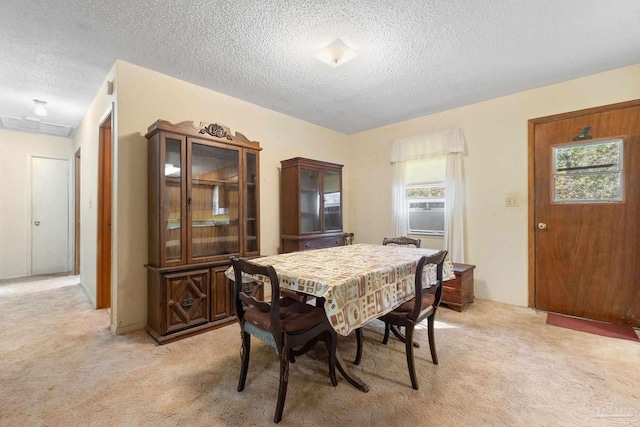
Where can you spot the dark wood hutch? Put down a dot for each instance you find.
(311, 205)
(203, 208)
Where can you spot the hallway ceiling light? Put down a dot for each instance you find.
(336, 53)
(40, 110)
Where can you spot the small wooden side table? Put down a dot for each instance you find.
(458, 292)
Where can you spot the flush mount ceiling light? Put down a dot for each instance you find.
(336, 53)
(40, 110)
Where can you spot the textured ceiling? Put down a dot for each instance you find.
(415, 57)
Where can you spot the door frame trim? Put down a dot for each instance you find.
(76, 208)
(531, 234)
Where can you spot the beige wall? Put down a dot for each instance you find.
(17, 149)
(144, 96)
(495, 165)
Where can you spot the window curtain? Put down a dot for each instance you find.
(399, 211)
(448, 143)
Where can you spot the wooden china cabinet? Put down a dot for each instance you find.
(311, 205)
(203, 209)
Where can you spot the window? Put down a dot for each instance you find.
(588, 172)
(424, 196)
(426, 209)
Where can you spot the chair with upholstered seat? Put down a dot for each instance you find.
(387, 241)
(423, 306)
(398, 241)
(348, 239)
(401, 241)
(282, 323)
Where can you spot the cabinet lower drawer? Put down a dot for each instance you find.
(326, 242)
(291, 245)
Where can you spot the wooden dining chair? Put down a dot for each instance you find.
(387, 241)
(423, 306)
(401, 241)
(348, 239)
(398, 241)
(282, 323)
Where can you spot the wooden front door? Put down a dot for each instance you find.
(585, 213)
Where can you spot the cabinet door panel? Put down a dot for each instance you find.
(251, 205)
(221, 294)
(172, 188)
(332, 201)
(187, 299)
(309, 201)
(214, 202)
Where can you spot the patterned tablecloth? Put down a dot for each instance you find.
(359, 282)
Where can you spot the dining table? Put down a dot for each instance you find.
(357, 283)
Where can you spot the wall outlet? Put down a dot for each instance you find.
(512, 201)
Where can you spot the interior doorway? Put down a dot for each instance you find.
(583, 213)
(105, 181)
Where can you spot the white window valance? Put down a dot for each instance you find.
(433, 144)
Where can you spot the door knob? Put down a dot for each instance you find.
(36, 222)
(542, 225)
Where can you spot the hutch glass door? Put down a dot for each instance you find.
(252, 203)
(331, 201)
(213, 202)
(309, 200)
(172, 204)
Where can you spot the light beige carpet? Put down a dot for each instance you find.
(500, 365)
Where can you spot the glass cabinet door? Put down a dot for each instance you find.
(309, 200)
(213, 202)
(332, 201)
(172, 205)
(252, 203)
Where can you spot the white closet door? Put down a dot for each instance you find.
(49, 216)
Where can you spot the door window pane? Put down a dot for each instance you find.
(214, 201)
(588, 172)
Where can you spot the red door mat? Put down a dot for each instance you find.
(625, 332)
